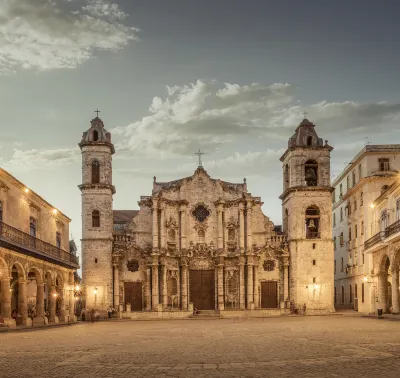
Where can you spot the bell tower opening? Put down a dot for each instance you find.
(311, 173)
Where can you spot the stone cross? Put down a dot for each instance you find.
(199, 155)
(97, 111)
(305, 114)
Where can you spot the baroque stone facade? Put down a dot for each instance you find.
(200, 242)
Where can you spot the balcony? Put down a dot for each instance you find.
(377, 238)
(393, 229)
(21, 242)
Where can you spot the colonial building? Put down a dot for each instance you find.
(365, 179)
(205, 243)
(36, 265)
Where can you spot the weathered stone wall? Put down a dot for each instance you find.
(18, 206)
(97, 241)
(102, 154)
(296, 160)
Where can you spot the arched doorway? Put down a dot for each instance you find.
(18, 287)
(35, 296)
(5, 297)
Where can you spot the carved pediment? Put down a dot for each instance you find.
(201, 250)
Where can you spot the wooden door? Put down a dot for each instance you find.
(133, 295)
(269, 294)
(202, 289)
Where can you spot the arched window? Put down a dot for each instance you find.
(201, 235)
(312, 222)
(309, 141)
(95, 218)
(173, 286)
(32, 227)
(95, 172)
(311, 173)
(231, 234)
(95, 135)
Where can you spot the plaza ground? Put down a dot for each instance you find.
(307, 346)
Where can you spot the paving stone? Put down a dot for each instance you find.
(313, 347)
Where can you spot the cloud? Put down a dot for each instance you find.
(216, 116)
(202, 113)
(230, 119)
(103, 8)
(54, 34)
(252, 162)
(43, 159)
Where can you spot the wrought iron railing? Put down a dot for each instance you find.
(375, 239)
(393, 228)
(24, 240)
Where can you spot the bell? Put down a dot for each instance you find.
(310, 175)
(311, 224)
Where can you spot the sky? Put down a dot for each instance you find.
(229, 77)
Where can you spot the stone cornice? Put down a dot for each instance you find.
(97, 143)
(306, 189)
(326, 147)
(83, 187)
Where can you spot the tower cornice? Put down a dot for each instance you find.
(329, 189)
(95, 144)
(326, 147)
(83, 187)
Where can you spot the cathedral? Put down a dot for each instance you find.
(201, 243)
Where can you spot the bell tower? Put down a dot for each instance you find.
(97, 215)
(307, 219)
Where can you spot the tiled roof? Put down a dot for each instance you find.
(124, 216)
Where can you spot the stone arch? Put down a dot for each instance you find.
(384, 264)
(4, 273)
(37, 272)
(19, 270)
(311, 172)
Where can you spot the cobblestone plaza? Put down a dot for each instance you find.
(323, 346)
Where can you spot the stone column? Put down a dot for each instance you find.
(220, 228)
(382, 291)
(250, 298)
(241, 226)
(162, 226)
(148, 288)
(184, 287)
(6, 298)
(395, 290)
(62, 305)
(285, 281)
(249, 227)
(164, 285)
(116, 285)
(39, 318)
(71, 300)
(183, 226)
(155, 292)
(241, 284)
(52, 304)
(23, 301)
(256, 296)
(155, 224)
(221, 302)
